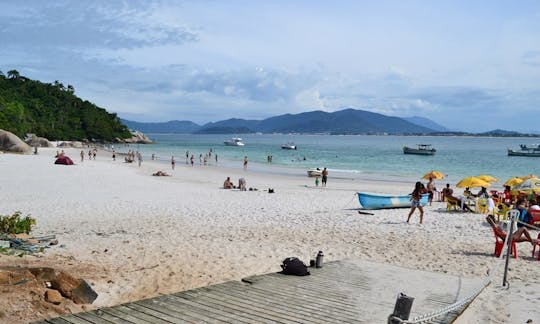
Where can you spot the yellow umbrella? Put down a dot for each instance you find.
(487, 178)
(528, 176)
(472, 182)
(434, 175)
(513, 182)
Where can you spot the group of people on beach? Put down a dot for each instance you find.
(228, 184)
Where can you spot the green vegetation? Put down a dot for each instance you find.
(15, 224)
(52, 110)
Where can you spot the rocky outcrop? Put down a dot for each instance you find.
(138, 138)
(9, 142)
(72, 144)
(39, 142)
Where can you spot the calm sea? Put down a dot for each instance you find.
(356, 156)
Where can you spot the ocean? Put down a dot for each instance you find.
(354, 156)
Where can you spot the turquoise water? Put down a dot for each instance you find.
(360, 156)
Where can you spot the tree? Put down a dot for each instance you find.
(70, 88)
(13, 74)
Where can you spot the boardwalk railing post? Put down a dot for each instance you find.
(402, 309)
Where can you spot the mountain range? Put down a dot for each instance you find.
(347, 121)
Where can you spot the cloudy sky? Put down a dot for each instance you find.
(468, 65)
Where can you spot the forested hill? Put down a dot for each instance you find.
(53, 111)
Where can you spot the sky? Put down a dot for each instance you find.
(467, 65)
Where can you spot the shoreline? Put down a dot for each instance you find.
(132, 235)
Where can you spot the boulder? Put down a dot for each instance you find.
(53, 296)
(75, 289)
(9, 142)
(138, 138)
(39, 142)
(73, 144)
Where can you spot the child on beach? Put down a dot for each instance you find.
(415, 201)
(316, 181)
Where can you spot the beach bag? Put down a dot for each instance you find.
(294, 266)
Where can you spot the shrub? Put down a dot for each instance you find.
(15, 224)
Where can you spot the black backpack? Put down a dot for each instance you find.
(294, 266)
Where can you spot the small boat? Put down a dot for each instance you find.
(524, 147)
(421, 149)
(235, 141)
(522, 152)
(316, 172)
(373, 201)
(288, 146)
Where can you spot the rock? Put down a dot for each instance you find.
(73, 144)
(53, 296)
(83, 294)
(9, 142)
(38, 141)
(65, 283)
(43, 274)
(75, 289)
(138, 138)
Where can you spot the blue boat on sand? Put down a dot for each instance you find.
(373, 201)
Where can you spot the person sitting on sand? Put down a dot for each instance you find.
(520, 235)
(228, 184)
(459, 201)
(160, 174)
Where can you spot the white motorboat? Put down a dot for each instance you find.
(235, 141)
(315, 172)
(289, 146)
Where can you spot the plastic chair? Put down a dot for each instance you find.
(534, 248)
(499, 245)
(482, 206)
(502, 209)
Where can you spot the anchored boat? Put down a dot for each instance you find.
(421, 149)
(235, 141)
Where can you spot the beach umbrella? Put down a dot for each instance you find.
(472, 182)
(487, 178)
(530, 185)
(434, 175)
(525, 177)
(513, 182)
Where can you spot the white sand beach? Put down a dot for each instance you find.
(132, 235)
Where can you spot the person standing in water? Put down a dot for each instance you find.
(415, 201)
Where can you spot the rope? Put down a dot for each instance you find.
(467, 299)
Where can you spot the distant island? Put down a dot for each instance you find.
(344, 122)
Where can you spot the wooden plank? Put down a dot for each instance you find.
(139, 314)
(109, 317)
(58, 320)
(271, 305)
(289, 302)
(155, 313)
(214, 310)
(184, 314)
(128, 317)
(70, 319)
(235, 309)
(92, 318)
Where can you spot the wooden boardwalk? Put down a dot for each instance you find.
(340, 292)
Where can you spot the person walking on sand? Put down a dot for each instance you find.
(173, 162)
(415, 201)
(245, 163)
(82, 155)
(431, 190)
(324, 174)
(113, 155)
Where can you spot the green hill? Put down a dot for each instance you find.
(52, 110)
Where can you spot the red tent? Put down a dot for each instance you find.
(63, 160)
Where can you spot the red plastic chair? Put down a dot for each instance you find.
(534, 248)
(499, 245)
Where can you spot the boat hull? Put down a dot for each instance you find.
(410, 150)
(233, 144)
(532, 153)
(372, 201)
(314, 173)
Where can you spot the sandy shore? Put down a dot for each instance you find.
(132, 235)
